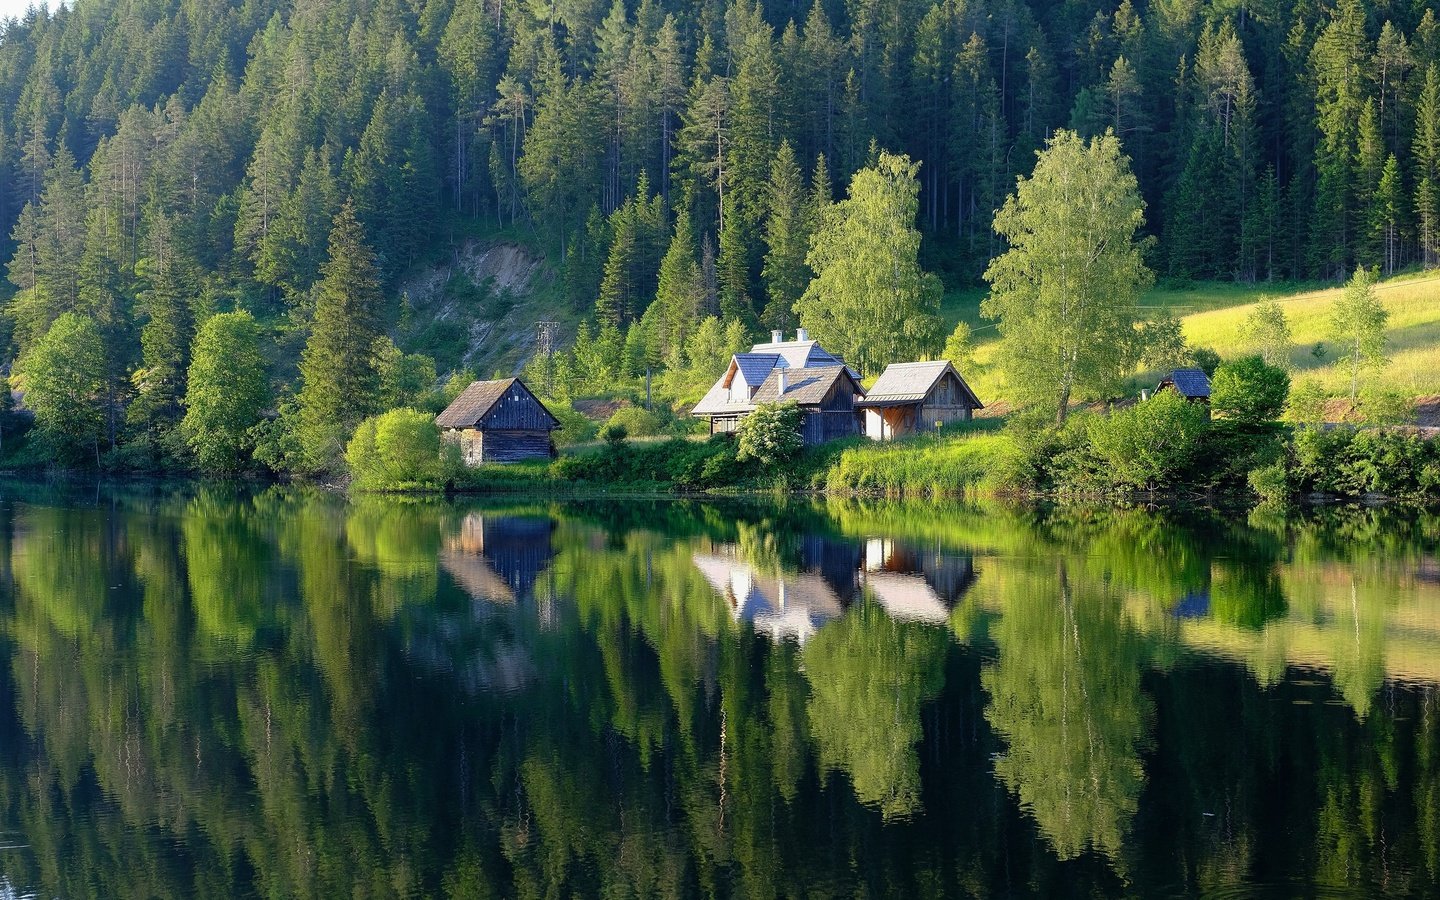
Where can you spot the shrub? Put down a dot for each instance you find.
(1148, 445)
(1307, 404)
(1249, 390)
(575, 426)
(771, 433)
(615, 435)
(636, 421)
(395, 450)
(1386, 406)
(1270, 483)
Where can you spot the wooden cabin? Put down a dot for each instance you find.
(826, 396)
(1192, 384)
(498, 422)
(912, 398)
(752, 378)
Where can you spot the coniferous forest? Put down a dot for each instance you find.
(179, 176)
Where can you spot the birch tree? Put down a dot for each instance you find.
(1065, 291)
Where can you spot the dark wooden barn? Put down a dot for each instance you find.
(498, 422)
(910, 398)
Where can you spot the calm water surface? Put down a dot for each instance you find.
(278, 693)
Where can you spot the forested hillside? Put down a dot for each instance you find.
(164, 160)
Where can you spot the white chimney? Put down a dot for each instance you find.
(801, 334)
(780, 382)
(775, 336)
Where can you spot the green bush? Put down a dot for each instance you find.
(1149, 445)
(1380, 405)
(1350, 462)
(771, 433)
(1270, 483)
(1250, 391)
(1307, 403)
(636, 421)
(575, 426)
(397, 450)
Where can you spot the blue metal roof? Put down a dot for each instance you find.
(1189, 382)
(754, 367)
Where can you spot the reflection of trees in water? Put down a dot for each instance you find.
(281, 693)
(1066, 699)
(869, 677)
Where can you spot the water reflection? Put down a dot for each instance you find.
(281, 693)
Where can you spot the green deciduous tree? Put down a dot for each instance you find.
(64, 379)
(1267, 328)
(1357, 326)
(771, 433)
(396, 449)
(1249, 390)
(1065, 291)
(870, 301)
(227, 392)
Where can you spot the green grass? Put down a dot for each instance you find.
(1213, 315)
(1413, 334)
(947, 465)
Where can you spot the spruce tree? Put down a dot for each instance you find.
(787, 240)
(339, 381)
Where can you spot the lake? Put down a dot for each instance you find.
(276, 692)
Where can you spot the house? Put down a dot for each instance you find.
(814, 382)
(826, 396)
(498, 422)
(1192, 384)
(909, 398)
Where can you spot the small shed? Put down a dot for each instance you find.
(911, 398)
(1192, 384)
(498, 422)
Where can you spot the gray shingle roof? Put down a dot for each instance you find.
(903, 383)
(1191, 383)
(466, 410)
(806, 387)
(800, 354)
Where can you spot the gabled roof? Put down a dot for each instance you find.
(800, 354)
(807, 387)
(903, 383)
(477, 400)
(753, 367)
(1191, 383)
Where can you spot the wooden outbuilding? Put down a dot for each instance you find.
(1192, 384)
(498, 422)
(912, 398)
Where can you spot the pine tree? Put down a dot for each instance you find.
(680, 294)
(165, 341)
(1386, 211)
(787, 240)
(339, 381)
(1427, 165)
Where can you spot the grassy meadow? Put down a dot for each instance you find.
(1213, 316)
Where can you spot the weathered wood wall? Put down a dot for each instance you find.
(517, 410)
(480, 447)
(514, 446)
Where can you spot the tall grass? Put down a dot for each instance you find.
(944, 466)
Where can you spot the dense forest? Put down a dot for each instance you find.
(165, 160)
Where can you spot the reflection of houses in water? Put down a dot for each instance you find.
(498, 558)
(913, 584)
(910, 584)
(779, 605)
